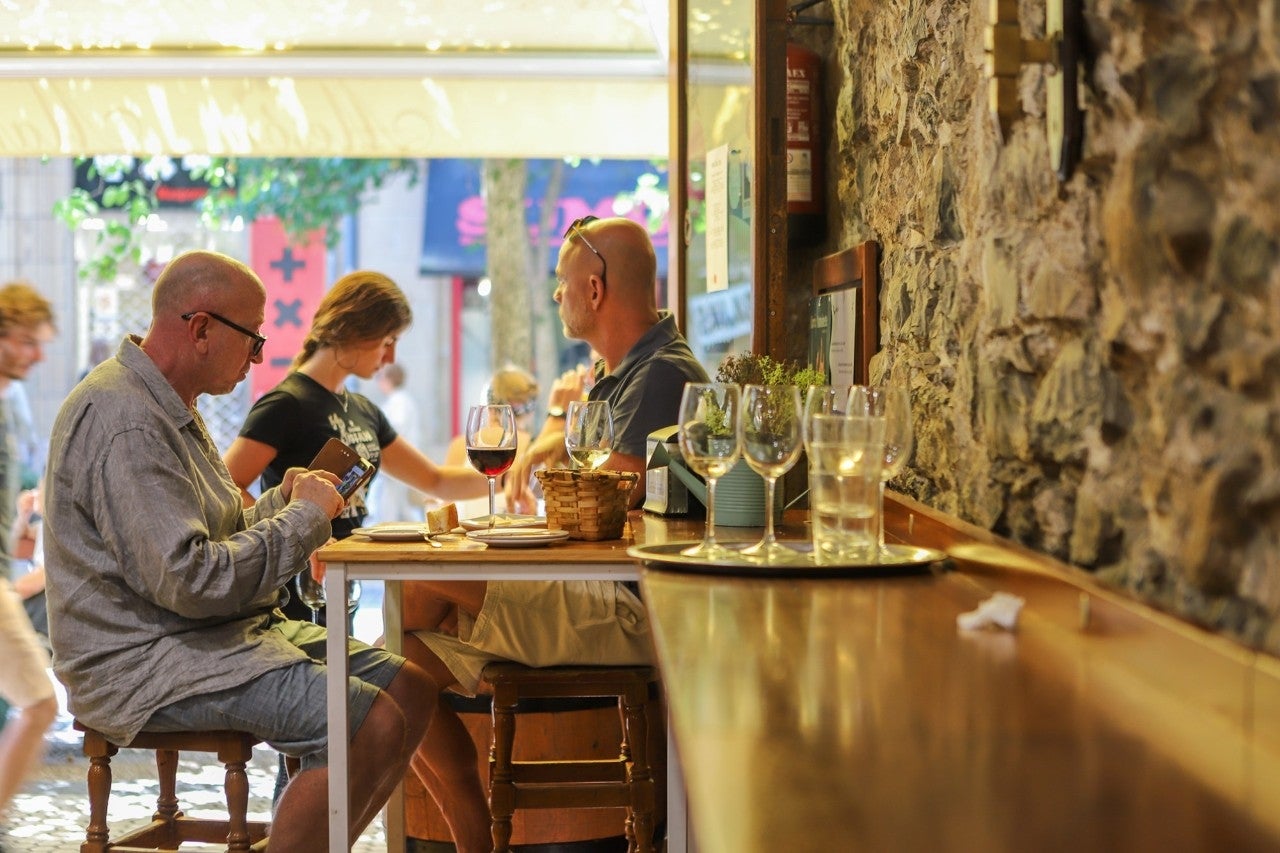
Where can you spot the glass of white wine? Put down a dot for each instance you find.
(770, 433)
(588, 433)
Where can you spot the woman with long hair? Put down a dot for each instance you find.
(354, 333)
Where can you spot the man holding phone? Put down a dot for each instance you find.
(163, 587)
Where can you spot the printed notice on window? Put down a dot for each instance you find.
(718, 219)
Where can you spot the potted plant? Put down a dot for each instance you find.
(740, 493)
(751, 369)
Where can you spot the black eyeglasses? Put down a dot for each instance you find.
(575, 227)
(258, 340)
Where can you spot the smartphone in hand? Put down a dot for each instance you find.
(351, 469)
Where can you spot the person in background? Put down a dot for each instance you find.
(163, 585)
(518, 389)
(354, 333)
(26, 326)
(392, 499)
(28, 535)
(606, 274)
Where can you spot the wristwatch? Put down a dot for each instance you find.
(555, 411)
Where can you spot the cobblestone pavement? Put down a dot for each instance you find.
(50, 814)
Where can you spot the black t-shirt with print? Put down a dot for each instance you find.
(299, 415)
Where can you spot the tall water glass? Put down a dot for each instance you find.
(491, 444)
(708, 433)
(893, 403)
(588, 433)
(770, 432)
(845, 453)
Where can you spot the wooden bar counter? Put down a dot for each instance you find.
(853, 714)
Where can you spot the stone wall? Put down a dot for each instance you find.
(1094, 365)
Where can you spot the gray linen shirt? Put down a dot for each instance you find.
(160, 584)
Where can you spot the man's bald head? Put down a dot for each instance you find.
(632, 270)
(203, 281)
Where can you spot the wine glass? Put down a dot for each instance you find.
(893, 403)
(770, 436)
(826, 400)
(310, 593)
(709, 444)
(491, 444)
(588, 433)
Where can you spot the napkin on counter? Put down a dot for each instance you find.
(1000, 609)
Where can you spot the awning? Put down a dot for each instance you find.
(365, 107)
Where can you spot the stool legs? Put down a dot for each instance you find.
(169, 827)
(635, 728)
(167, 773)
(625, 781)
(99, 751)
(502, 790)
(237, 790)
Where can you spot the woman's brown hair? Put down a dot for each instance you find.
(361, 306)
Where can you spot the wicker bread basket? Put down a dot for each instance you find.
(591, 505)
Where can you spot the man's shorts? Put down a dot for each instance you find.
(286, 707)
(24, 665)
(546, 623)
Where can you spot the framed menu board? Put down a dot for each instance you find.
(844, 314)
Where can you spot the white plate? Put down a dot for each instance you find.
(393, 531)
(518, 537)
(504, 519)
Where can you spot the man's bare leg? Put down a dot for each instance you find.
(446, 763)
(380, 752)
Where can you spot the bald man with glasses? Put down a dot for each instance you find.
(163, 587)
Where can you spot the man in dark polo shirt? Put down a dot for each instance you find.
(607, 275)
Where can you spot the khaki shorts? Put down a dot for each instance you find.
(546, 623)
(24, 665)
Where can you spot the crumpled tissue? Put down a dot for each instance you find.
(1000, 609)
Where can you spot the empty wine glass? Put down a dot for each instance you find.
(588, 433)
(709, 444)
(771, 441)
(491, 445)
(893, 403)
(826, 400)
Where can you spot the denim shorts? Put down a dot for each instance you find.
(286, 707)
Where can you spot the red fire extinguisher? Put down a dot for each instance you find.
(806, 172)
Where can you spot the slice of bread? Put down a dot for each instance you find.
(442, 520)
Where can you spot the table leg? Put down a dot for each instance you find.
(679, 838)
(338, 670)
(391, 633)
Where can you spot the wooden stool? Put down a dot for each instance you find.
(574, 783)
(169, 828)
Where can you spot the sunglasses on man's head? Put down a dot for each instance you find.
(575, 227)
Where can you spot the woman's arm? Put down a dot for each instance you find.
(409, 465)
(246, 459)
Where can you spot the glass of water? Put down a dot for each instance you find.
(845, 456)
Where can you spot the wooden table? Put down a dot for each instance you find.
(820, 715)
(359, 558)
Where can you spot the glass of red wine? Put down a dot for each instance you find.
(491, 445)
